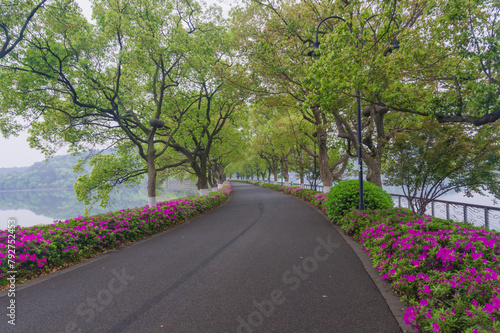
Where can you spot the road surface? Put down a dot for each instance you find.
(262, 262)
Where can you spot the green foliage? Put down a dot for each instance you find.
(15, 17)
(435, 159)
(345, 195)
(135, 79)
(107, 172)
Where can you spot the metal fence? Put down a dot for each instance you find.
(481, 216)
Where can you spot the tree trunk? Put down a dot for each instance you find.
(275, 173)
(201, 172)
(202, 184)
(374, 174)
(151, 177)
(221, 176)
(284, 170)
(324, 160)
(210, 179)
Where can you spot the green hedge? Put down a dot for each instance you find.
(345, 195)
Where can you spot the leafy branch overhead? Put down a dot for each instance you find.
(175, 88)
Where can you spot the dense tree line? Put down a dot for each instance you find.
(177, 89)
(57, 172)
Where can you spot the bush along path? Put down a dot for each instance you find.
(38, 250)
(448, 272)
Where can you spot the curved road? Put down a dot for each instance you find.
(263, 262)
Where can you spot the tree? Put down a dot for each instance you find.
(204, 128)
(275, 37)
(124, 82)
(447, 66)
(354, 53)
(229, 147)
(15, 16)
(438, 158)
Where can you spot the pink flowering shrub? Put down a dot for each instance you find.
(42, 248)
(448, 272)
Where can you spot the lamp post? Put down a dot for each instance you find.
(315, 135)
(315, 169)
(358, 100)
(316, 44)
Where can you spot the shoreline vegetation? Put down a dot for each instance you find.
(37, 189)
(448, 272)
(36, 251)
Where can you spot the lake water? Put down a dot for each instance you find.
(45, 206)
(482, 200)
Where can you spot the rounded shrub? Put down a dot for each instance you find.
(345, 195)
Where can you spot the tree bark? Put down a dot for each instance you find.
(324, 160)
(151, 176)
(374, 174)
(284, 170)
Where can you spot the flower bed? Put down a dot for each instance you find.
(41, 249)
(448, 272)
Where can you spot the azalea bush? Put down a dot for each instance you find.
(40, 249)
(448, 272)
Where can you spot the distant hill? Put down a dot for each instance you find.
(6, 171)
(56, 172)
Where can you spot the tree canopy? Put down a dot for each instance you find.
(176, 88)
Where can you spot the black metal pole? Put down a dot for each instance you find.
(360, 152)
(315, 170)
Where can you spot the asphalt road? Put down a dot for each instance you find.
(262, 262)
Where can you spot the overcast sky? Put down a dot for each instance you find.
(15, 151)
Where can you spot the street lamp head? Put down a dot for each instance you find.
(315, 47)
(395, 46)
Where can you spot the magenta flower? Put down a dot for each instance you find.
(409, 316)
(477, 255)
(489, 308)
(496, 302)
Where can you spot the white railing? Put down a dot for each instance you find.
(477, 215)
